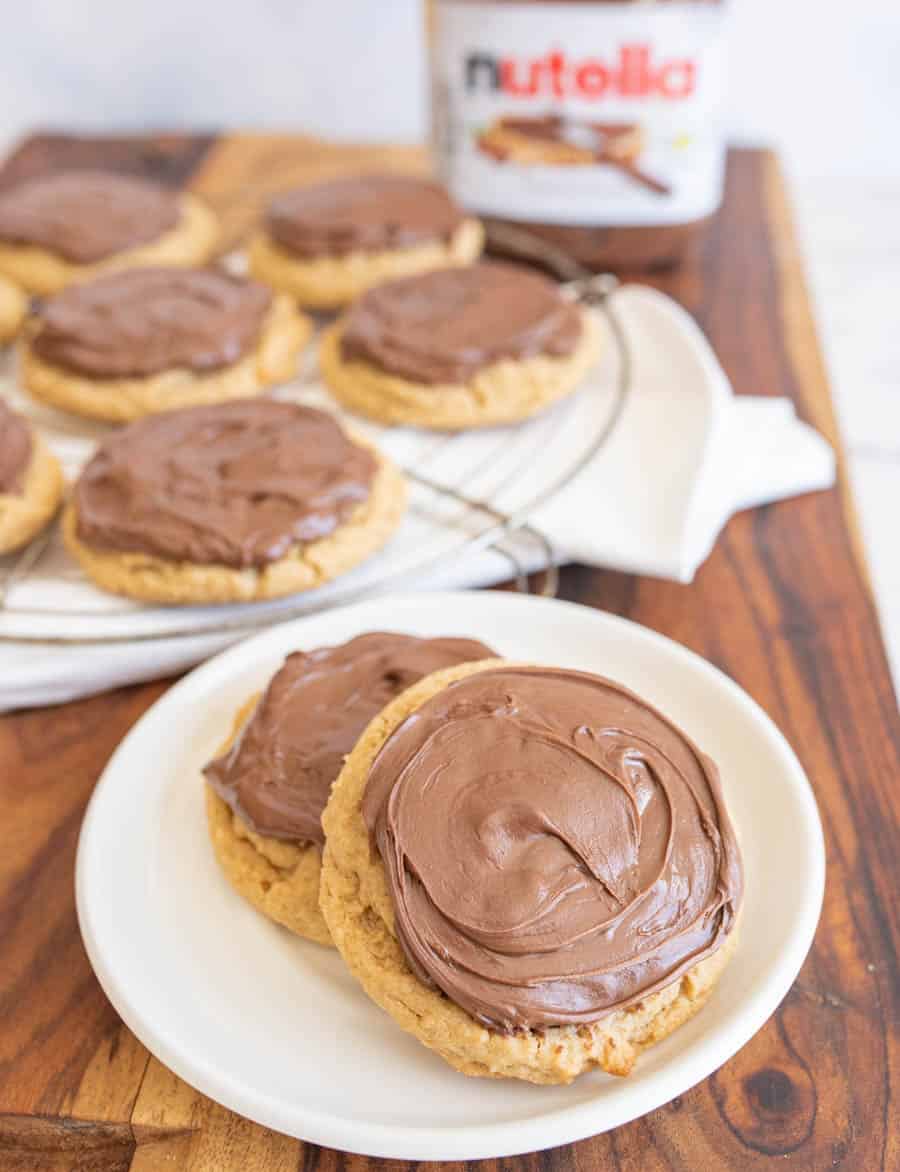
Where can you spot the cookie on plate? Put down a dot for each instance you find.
(327, 243)
(268, 787)
(75, 224)
(31, 482)
(531, 869)
(13, 308)
(460, 348)
(133, 343)
(236, 502)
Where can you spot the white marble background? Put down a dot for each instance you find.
(820, 80)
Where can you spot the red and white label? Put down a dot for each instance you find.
(577, 113)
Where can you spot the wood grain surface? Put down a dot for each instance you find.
(782, 605)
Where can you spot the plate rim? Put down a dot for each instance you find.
(482, 1140)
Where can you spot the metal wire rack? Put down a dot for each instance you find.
(470, 522)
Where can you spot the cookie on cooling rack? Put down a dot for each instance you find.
(531, 869)
(134, 343)
(73, 225)
(268, 787)
(240, 501)
(13, 308)
(327, 243)
(460, 348)
(31, 482)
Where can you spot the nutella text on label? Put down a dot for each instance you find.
(634, 73)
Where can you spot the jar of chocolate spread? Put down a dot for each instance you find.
(595, 124)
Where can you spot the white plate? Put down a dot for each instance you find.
(275, 1029)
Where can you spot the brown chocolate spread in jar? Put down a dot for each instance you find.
(445, 326)
(143, 321)
(238, 484)
(592, 124)
(278, 773)
(86, 216)
(364, 213)
(555, 848)
(15, 450)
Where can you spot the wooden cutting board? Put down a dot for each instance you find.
(783, 605)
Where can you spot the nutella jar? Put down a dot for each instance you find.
(595, 124)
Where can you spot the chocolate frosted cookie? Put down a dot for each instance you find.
(531, 869)
(13, 308)
(134, 343)
(460, 348)
(268, 787)
(31, 483)
(327, 243)
(240, 501)
(70, 226)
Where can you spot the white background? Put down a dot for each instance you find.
(820, 79)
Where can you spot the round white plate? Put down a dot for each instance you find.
(274, 1028)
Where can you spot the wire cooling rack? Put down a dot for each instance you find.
(470, 492)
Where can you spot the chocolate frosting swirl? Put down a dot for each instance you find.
(86, 216)
(15, 450)
(445, 326)
(555, 848)
(237, 484)
(278, 773)
(144, 321)
(365, 213)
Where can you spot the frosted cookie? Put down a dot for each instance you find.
(461, 348)
(13, 308)
(74, 225)
(327, 243)
(134, 343)
(31, 482)
(531, 870)
(268, 787)
(232, 503)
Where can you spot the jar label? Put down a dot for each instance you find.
(573, 113)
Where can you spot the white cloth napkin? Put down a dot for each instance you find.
(684, 456)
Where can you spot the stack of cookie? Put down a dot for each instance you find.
(530, 869)
(212, 493)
